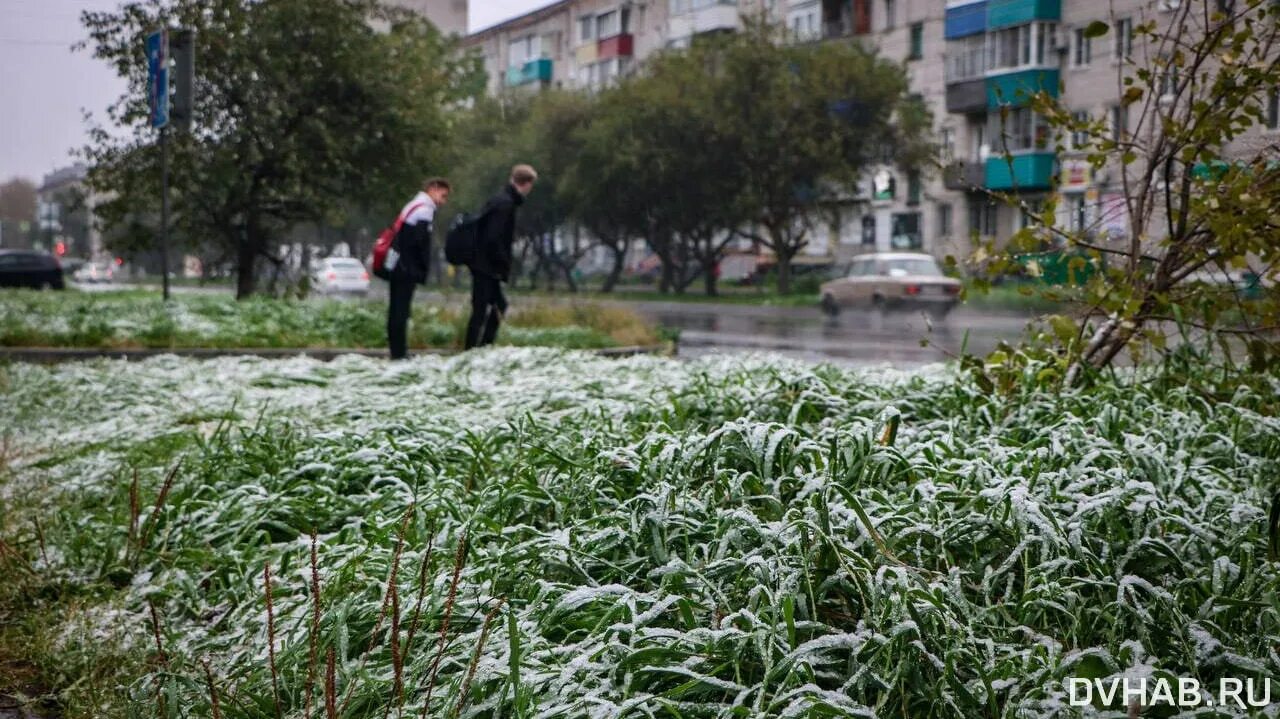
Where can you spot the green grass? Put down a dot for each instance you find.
(646, 537)
(140, 319)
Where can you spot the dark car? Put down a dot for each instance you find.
(30, 268)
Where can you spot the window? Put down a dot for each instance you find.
(982, 217)
(607, 24)
(946, 145)
(1079, 221)
(522, 50)
(944, 220)
(868, 229)
(1020, 131)
(1079, 137)
(1119, 122)
(917, 41)
(1167, 78)
(586, 28)
(1124, 39)
(1019, 46)
(1029, 214)
(1081, 49)
(906, 232)
(1273, 109)
(890, 14)
(913, 187)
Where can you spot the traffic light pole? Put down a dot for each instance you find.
(164, 209)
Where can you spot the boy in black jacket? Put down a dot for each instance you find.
(492, 265)
(410, 260)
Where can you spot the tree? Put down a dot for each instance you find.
(1201, 193)
(805, 122)
(18, 200)
(17, 206)
(540, 130)
(652, 166)
(302, 106)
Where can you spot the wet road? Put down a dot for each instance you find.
(853, 337)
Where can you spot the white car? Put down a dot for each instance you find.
(340, 275)
(92, 272)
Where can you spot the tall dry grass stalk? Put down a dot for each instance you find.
(314, 639)
(459, 559)
(271, 638)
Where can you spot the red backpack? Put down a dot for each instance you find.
(378, 264)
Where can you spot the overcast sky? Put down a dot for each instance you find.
(46, 88)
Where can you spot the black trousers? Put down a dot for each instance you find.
(488, 305)
(398, 317)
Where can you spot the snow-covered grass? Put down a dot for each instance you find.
(643, 537)
(130, 319)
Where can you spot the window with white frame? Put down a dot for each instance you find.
(1021, 46)
(522, 50)
(890, 14)
(586, 28)
(607, 24)
(1119, 122)
(1021, 130)
(946, 145)
(1078, 209)
(1123, 39)
(1079, 136)
(1081, 48)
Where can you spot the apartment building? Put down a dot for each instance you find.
(998, 53)
(582, 44)
(448, 15)
(973, 63)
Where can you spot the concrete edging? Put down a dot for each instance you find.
(56, 355)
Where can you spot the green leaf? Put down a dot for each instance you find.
(1097, 28)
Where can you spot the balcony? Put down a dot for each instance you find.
(622, 45)
(964, 175)
(705, 16)
(965, 19)
(966, 78)
(1016, 88)
(1029, 171)
(1007, 13)
(533, 71)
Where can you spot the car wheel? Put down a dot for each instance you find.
(878, 304)
(830, 306)
(940, 313)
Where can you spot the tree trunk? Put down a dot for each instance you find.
(709, 280)
(668, 275)
(246, 261)
(784, 273)
(615, 272)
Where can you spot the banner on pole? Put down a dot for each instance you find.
(158, 77)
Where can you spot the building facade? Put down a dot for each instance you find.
(448, 15)
(973, 63)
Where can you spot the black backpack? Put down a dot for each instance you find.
(462, 240)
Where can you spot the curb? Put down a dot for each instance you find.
(56, 355)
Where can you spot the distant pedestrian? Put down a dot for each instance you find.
(410, 260)
(492, 265)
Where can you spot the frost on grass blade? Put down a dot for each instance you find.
(709, 538)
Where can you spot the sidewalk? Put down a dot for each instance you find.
(54, 355)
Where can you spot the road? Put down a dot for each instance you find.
(854, 337)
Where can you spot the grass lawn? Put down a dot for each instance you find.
(527, 532)
(141, 319)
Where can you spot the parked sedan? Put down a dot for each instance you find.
(338, 275)
(30, 268)
(93, 272)
(906, 280)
